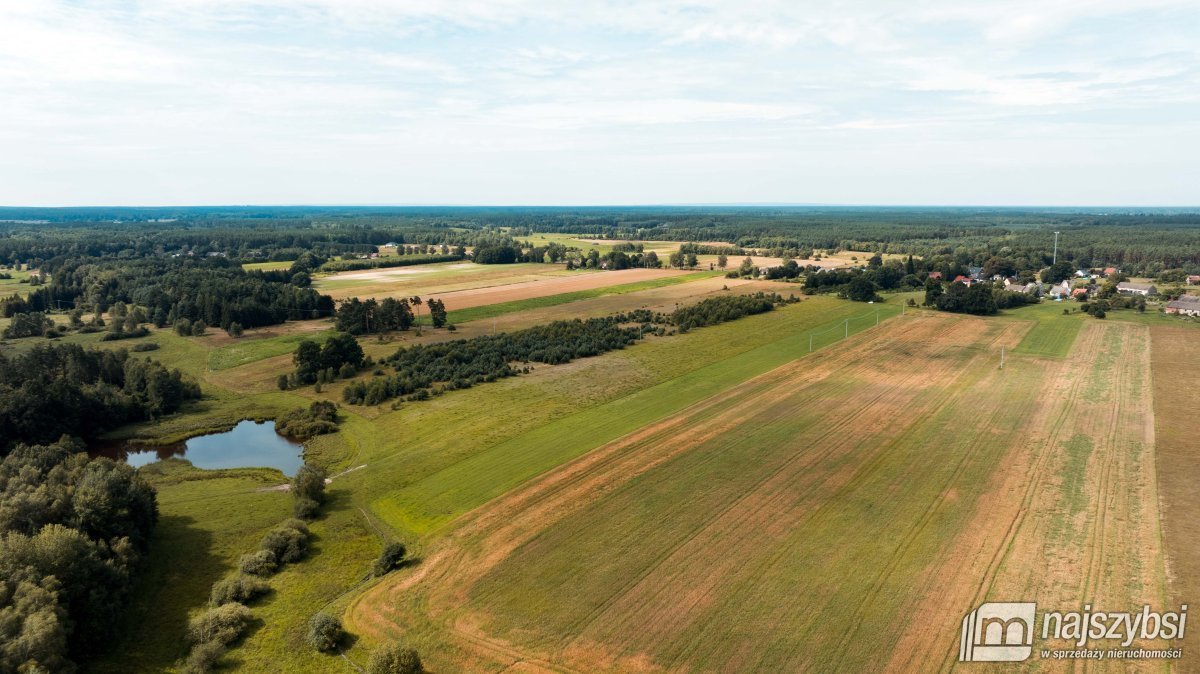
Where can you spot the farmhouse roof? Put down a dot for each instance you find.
(1126, 285)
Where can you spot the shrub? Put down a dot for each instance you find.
(260, 563)
(309, 483)
(144, 346)
(203, 658)
(391, 558)
(183, 327)
(237, 589)
(286, 544)
(306, 508)
(223, 624)
(394, 659)
(325, 632)
(199, 328)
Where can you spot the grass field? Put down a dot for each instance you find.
(864, 479)
(1053, 333)
(654, 508)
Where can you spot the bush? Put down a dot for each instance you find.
(237, 589)
(286, 544)
(183, 327)
(199, 328)
(223, 624)
(391, 558)
(260, 563)
(306, 508)
(394, 659)
(234, 330)
(203, 658)
(309, 483)
(144, 346)
(325, 632)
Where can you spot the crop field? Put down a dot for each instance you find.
(1053, 333)
(720, 537)
(1175, 364)
(432, 279)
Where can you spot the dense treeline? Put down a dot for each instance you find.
(1145, 240)
(724, 308)
(388, 262)
(340, 356)
(431, 369)
(462, 363)
(56, 389)
(72, 532)
(214, 291)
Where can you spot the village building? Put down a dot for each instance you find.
(1143, 289)
(1186, 305)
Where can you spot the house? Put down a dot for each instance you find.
(1079, 294)
(1186, 305)
(1109, 271)
(1143, 289)
(1057, 292)
(1193, 279)
(935, 274)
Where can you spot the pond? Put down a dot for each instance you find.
(248, 445)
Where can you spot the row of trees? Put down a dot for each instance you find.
(724, 308)
(73, 532)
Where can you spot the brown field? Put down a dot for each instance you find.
(842, 512)
(1175, 359)
(475, 297)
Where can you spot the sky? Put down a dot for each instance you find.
(574, 102)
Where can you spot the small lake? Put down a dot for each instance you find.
(247, 445)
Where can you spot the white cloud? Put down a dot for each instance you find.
(383, 89)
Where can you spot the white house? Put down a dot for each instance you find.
(1143, 289)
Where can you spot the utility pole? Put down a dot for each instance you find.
(810, 338)
(847, 329)
(1055, 248)
(877, 317)
(1002, 358)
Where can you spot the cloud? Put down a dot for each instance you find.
(781, 86)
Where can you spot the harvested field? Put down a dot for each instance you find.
(841, 511)
(474, 297)
(1175, 362)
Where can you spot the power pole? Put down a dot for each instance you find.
(847, 329)
(877, 317)
(810, 340)
(1055, 248)
(1002, 358)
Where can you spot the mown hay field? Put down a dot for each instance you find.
(842, 510)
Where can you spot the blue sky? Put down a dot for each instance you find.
(579, 102)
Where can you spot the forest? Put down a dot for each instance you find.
(63, 389)
(72, 532)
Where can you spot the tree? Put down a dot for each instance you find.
(394, 658)
(199, 328)
(309, 483)
(391, 558)
(933, 290)
(861, 289)
(1057, 272)
(325, 632)
(722, 260)
(437, 313)
(746, 268)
